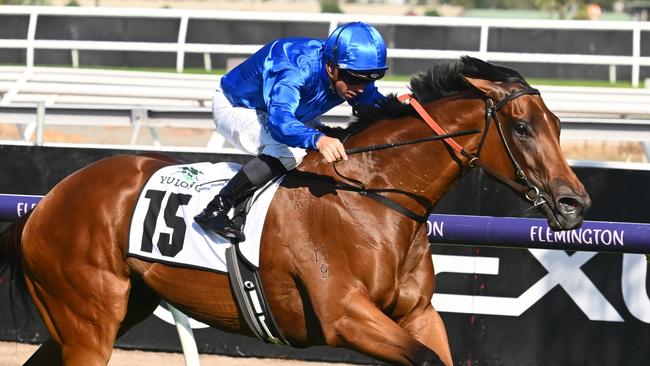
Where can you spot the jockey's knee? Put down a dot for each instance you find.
(290, 157)
(262, 169)
(290, 162)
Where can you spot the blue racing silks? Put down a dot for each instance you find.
(287, 79)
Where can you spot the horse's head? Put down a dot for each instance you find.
(519, 142)
(522, 144)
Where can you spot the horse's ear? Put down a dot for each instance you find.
(489, 88)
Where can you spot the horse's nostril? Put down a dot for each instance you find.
(568, 205)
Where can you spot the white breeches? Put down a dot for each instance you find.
(245, 128)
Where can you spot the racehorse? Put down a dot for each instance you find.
(344, 260)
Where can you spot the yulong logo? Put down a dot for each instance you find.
(185, 177)
(190, 174)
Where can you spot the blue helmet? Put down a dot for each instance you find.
(357, 47)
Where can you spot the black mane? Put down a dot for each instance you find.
(442, 80)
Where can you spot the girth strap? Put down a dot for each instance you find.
(250, 298)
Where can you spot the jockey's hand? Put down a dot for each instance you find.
(331, 149)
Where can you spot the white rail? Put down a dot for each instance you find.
(181, 46)
(39, 98)
(32, 119)
(65, 87)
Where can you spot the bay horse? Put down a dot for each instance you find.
(374, 295)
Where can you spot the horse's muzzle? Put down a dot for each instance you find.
(568, 209)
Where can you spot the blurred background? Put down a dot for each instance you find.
(141, 73)
(539, 9)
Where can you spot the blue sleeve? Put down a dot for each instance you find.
(370, 96)
(283, 100)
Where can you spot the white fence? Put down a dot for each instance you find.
(39, 97)
(181, 47)
(36, 98)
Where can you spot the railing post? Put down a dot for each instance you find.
(154, 136)
(636, 55)
(483, 41)
(40, 123)
(333, 24)
(182, 34)
(612, 74)
(138, 117)
(31, 35)
(207, 61)
(74, 57)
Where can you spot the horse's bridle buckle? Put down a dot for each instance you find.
(534, 196)
(473, 161)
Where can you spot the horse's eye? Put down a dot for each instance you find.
(521, 129)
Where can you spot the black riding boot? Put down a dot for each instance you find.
(254, 174)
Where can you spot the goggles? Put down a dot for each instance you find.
(357, 78)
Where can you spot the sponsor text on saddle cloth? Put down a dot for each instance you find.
(163, 228)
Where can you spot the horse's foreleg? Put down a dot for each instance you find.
(414, 311)
(427, 327)
(363, 327)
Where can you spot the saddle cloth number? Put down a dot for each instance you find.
(163, 228)
(169, 244)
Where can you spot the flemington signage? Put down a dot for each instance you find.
(563, 269)
(541, 234)
(13, 206)
(617, 237)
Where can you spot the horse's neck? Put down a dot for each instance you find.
(426, 169)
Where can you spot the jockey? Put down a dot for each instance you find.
(269, 106)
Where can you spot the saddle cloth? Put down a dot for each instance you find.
(163, 227)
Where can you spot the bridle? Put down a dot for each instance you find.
(521, 185)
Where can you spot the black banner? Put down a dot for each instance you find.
(500, 306)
